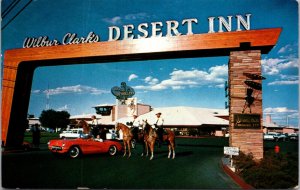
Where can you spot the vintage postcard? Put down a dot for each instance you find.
(150, 94)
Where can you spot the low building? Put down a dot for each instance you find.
(270, 126)
(33, 121)
(110, 113)
(183, 119)
(191, 120)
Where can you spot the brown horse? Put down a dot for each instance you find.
(150, 137)
(127, 137)
(85, 126)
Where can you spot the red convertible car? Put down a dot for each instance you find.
(75, 147)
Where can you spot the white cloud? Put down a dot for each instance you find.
(289, 77)
(279, 110)
(137, 16)
(77, 89)
(284, 82)
(274, 66)
(123, 19)
(294, 115)
(132, 76)
(150, 80)
(64, 108)
(115, 20)
(36, 91)
(281, 114)
(285, 49)
(181, 79)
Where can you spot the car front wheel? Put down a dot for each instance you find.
(74, 152)
(112, 150)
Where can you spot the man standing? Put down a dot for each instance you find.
(159, 125)
(36, 135)
(94, 125)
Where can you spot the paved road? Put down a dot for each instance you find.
(196, 166)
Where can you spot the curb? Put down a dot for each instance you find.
(237, 179)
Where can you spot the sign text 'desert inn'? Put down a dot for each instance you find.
(246, 121)
(146, 30)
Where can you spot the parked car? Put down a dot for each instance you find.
(76, 147)
(293, 136)
(270, 136)
(72, 133)
(280, 137)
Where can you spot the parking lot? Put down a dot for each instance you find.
(196, 166)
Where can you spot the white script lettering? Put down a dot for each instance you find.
(73, 39)
(42, 41)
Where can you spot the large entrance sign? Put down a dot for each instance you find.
(244, 49)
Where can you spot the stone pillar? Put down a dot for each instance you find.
(245, 126)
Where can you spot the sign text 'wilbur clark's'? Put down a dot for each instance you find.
(145, 30)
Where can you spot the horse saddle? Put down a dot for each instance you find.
(162, 130)
(153, 134)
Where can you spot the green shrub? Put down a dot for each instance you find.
(243, 162)
(274, 171)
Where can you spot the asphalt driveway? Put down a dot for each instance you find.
(196, 166)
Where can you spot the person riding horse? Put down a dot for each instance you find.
(159, 128)
(134, 126)
(150, 136)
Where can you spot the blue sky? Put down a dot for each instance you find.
(195, 82)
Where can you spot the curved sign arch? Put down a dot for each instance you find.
(19, 66)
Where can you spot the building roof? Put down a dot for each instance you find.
(187, 116)
(85, 116)
(103, 105)
(271, 124)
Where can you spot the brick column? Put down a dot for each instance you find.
(245, 133)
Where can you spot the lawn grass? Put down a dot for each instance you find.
(285, 146)
(45, 137)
